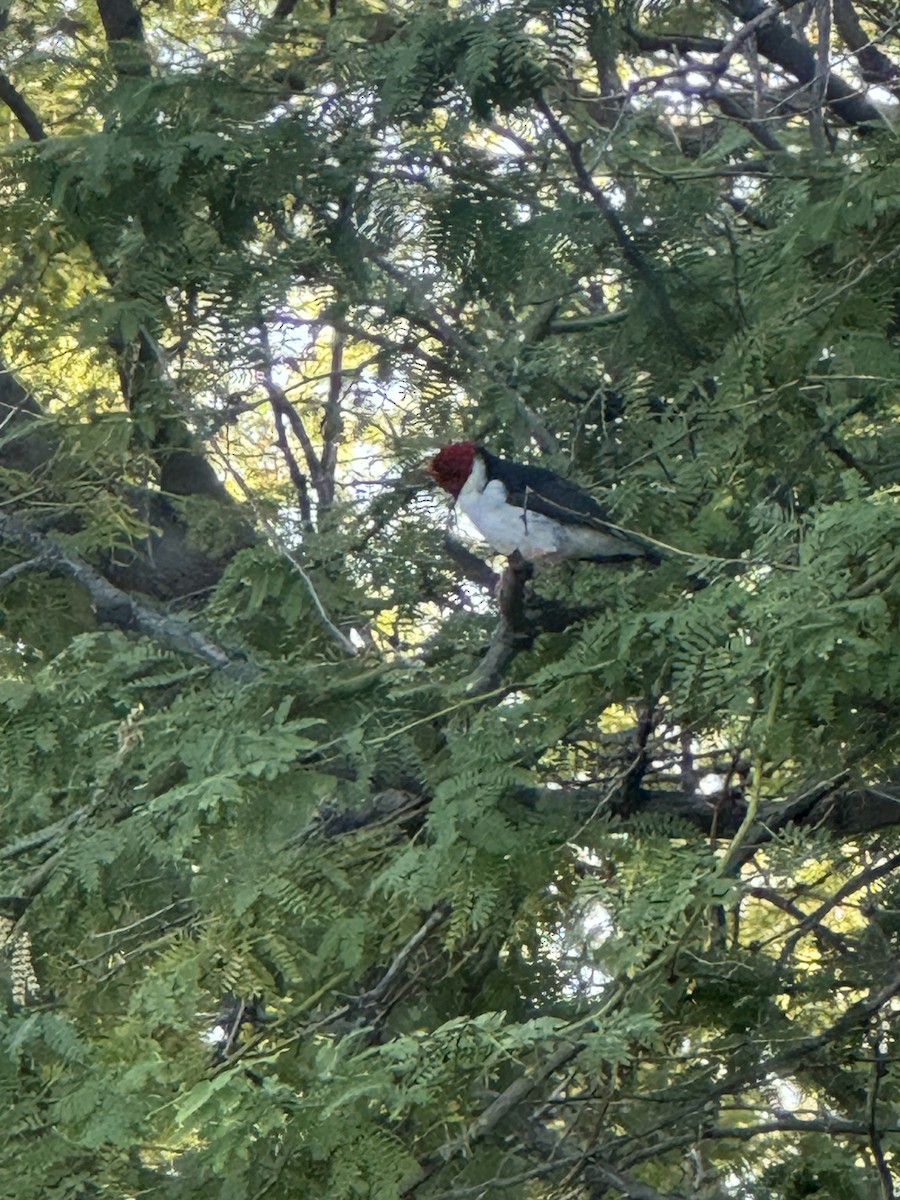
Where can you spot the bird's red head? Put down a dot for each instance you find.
(450, 467)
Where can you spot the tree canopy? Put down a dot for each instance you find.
(340, 859)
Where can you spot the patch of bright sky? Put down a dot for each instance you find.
(790, 1097)
(575, 946)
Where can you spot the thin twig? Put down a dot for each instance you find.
(630, 250)
(332, 423)
(278, 541)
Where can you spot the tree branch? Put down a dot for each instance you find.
(733, 108)
(680, 43)
(124, 29)
(509, 1099)
(824, 805)
(776, 43)
(854, 1017)
(332, 423)
(21, 109)
(281, 407)
(22, 568)
(475, 569)
(856, 883)
(116, 607)
(879, 1071)
(630, 251)
(874, 64)
(514, 632)
(380, 991)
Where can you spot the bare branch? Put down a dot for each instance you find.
(732, 107)
(509, 1099)
(23, 568)
(879, 1071)
(777, 44)
(746, 31)
(825, 936)
(332, 423)
(852, 1018)
(280, 404)
(21, 109)
(680, 43)
(284, 408)
(42, 837)
(379, 992)
(828, 804)
(825, 805)
(630, 252)
(115, 606)
(856, 883)
(514, 631)
(473, 568)
(874, 64)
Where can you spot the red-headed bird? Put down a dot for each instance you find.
(531, 509)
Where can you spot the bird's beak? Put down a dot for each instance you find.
(424, 474)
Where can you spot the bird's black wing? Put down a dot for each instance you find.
(541, 491)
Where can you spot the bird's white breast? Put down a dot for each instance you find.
(506, 526)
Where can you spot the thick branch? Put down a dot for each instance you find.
(734, 109)
(114, 606)
(514, 631)
(825, 805)
(875, 65)
(21, 109)
(475, 569)
(776, 43)
(124, 30)
(168, 565)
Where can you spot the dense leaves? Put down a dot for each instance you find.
(333, 863)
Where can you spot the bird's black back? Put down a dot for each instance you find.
(541, 491)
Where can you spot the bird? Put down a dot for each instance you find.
(531, 510)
